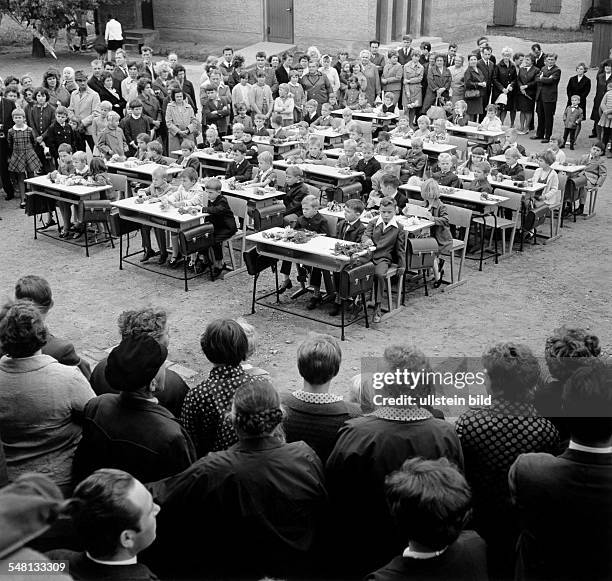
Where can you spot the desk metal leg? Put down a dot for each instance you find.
(35, 229)
(255, 293)
(342, 320)
(482, 237)
(121, 249)
(276, 283)
(185, 272)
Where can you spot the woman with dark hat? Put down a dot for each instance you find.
(130, 431)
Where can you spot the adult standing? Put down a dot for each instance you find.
(6, 122)
(226, 66)
(146, 65)
(451, 55)
(487, 66)
(392, 76)
(475, 85)
(404, 52)
(185, 85)
(370, 72)
(109, 93)
(316, 85)
(40, 400)
(579, 85)
(457, 72)
(482, 43)
(120, 71)
(113, 35)
(504, 83)
(283, 72)
(526, 93)
(413, 77)
(180, 120)
(378, 59)
(261, 65)
(438, 83)
(546, 97)
(95, 81)
(600, 90)
(539, 58)
(58, 95)
(84, 102)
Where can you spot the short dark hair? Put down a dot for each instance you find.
(22, 329)
(134, 103)
(145, 47)
(142, 83)
(175, 91)
(318, 359)
(452, 45)
(388, 201)
(224, 342)
(587, 402)
(179, 69)
(390, 180)
(228, 48)
(101, 510)
(36, 289)
(569, 348)
(240, 147)
(512, 369)
(147, 321)
(43, 91)
(536, 45)
(375, 41)
(429, 500)
(190, 174)
(355, 205)
(259, 54)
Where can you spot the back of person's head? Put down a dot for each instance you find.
(224, 342)
(430, 502)
(567, 349)
(97, 165)
(390, 180)
(587, 402)
(405, 360)
(513, 371)
(22, 329)
(147, 321)
(113, 514)
(256, 409)
(36, 289)
(318, 359)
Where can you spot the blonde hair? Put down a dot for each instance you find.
(265, 156)
(430, 189)
(312, 201)
(462, 104)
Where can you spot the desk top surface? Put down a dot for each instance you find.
(154, 209)
(143, 168)
(44, 181)
(461, 195)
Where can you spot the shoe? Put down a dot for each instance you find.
(216, 272)
(335, 310)
(562, 146)
(593, 136)
(572, 146)
(147, 255)
(377, 318)
(314, 302)
(50, 223)
(22, 205)
(174, 261)
(544, 140)
(580, 210)
(285, 286)
(438, 282)
(162, 259)
(535, 137)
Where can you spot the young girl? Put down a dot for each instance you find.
(477, 156)
(142, 142)
(261, 96)
(242, 117)
(544, 174)
(284, 104)
(423, 124)
(81, 169)
(266, 176)
(491, 122)
(403, 128)
(439, 134)
(98, 172)
(363, 104)
(351, 96)
(459, 116)
(357, 71)
(554, 144)
(481, 183)
(355, 132)
(299, 96)
(98, 123)
(212, 143)
(23, 161)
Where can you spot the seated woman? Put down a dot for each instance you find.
(40, 399)
(262, 495)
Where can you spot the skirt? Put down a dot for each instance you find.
(24, 160)
(523, 104)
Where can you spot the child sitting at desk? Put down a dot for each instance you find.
(278, 133)
(345, 122)
(154, 153)
(112, 141)
(595, 171)
(439, 133)
(385, 147)
(142, 142)
(189, 193)
(159, 188)
(240, 170)
(349, 159)
(325, 120)
(222, 218)
(476, 156)
(187, 158)
(296, 190)
(65, 167)
(355, 132)
(310, 220)
(387, 105)
(443, 172)
(481, 182)
(416, 159)
(389, 185)
(266, 176)
(260, 125)
(314, 152)
(242, 117)
(554, 144)
(389, 238)
(459, 116)
(212, 143)
(491, 122)
(510, 140)
(403, 129)
(363, 105)
(311, 115)
(511, 167)
(386, 169)
(423, 130)
(367, 166)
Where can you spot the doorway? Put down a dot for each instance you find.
(279, 18)
(146, 10)
(504, 13)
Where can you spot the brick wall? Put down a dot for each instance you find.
(223, 21)
(572, 12)
(454, 20)
(126, 13)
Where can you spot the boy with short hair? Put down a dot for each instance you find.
(299, 96)
(349, 158)
(135, 123)
(315, 153)
(154, 153)
(443, 172)
(142, 141)
(223, 220)
(59, 132)
(278, 133)
(355, 131)
(325, 120)
(368, 166)
(260, 125)
(511, 167)
(389, 185)
(481, 183)
(572, 120)
(311, 115)
(261, 96)
(385, 147)
(296, 190)
(215, 109)
(416, 159)
(389, 238)
(240, 170)
(187, 158)
(595, 171)
(510, 140)
(112, 140)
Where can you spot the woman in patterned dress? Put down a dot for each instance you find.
(23, 161)
(206, 407)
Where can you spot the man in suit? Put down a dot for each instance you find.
(569, 497)
(95, 82)
(539, 58)
(37, 289)
(146, 65)
(449, 59)
(404, 52)
(546, 97)
(6, 122)
(487, 66)
(483, 42)
(121, 71)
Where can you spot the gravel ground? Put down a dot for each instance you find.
(522, 298)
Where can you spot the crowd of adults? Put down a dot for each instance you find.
(235, 479)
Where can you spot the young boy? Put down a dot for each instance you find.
(572, 119)
(266, 176)
(389, 185)
(389, 238)
(439, 133)
(315, 153)
(215, 110)
(242, 116)
(355, 132)
(325, 120)
(349, 158)
(135, 123)
(311, 115)
(187, 158)
(512, 168)
(65, 167)
(296, 190)
(260, 125)
(159, 188)
(403, 128)
(386, 169)
(112, 141)
(368, 166)
(429, 501)
(385, 147)
(416, 159)
(59, 132)
(261, 95)
(142, 141)
(222, 218)
(241, 94)
(481, 183)
(299, 97)
(278, 133)
(595, 171)
(444, 174)
(154, 153)
(310, 220)
(240, 170)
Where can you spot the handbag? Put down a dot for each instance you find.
(471, 93)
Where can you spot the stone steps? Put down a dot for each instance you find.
(437, 44)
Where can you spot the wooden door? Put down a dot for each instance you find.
(279, 15)
(504, 12)
(146, 8)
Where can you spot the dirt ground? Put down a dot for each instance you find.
(522, 298)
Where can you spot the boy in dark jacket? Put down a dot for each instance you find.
(296, 190)
(443, 172)
(368, 166)
(240, 170)
(59, 132)
(222, 218)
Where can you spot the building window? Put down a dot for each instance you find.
(551, 6)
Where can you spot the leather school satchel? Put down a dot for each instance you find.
(421, 253)
(344, 193)
(269, 217)
(356, 281)
(255, 262)
(197, 239)
(37, 204)
(95, 210)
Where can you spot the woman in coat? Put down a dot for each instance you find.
(602, 82)
(180, 120)
(150, 104)
(110, 94)
(457, 72)
(413, 77)
(504, 82)
(392, 75)
(474, 81)
(526, 91)
(605, 119)
(186, 86)
(579, 85)
(438, 83)
(57, 93)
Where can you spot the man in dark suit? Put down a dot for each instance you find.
(487, 66)
(449, 59)
(404, 52)
(95, 81)
(37, 289)
(539, 58)
(546, 97)
(146, 65)
(483, 42)
(121, 71)
(568, 498)
(6, 122)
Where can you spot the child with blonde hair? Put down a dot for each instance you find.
(265, 176)
(423, 127)
(284, 104)
(491, 122)
(111, 142)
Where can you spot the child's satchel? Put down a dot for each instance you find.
(197, 239)
(269, 217)
(95, 210)
(37, 204)
(256, 263)
(356, 281)
(421, 253)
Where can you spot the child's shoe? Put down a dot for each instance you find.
(314, 302)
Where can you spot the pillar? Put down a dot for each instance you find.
(416, 16)
(400, 25)
(385, 23)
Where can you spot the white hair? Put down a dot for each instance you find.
(365, 53)
(507, 50)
